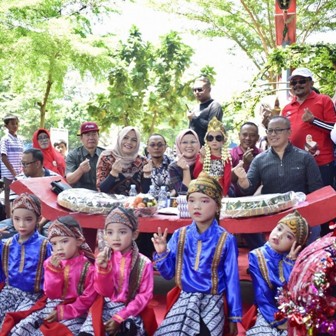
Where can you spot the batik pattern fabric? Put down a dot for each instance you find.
(205, 268)
(269, 270)
(262, 327)
(14, 299)
(31, 325)
(110, 309)
(185, 315)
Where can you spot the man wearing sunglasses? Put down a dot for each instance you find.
(312, 114)
(208, 108)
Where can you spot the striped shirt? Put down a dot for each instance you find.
(12, 147)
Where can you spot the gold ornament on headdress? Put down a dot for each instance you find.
(216, 126)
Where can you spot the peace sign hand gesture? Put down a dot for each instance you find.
(160, 241)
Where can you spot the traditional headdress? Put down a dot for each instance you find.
(124, 216)
(208, 186)
(67, 226)
(216, 126)
(298, 225)
(29, 202)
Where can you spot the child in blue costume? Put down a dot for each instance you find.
(22, 257)
(270, 267)
(203, 259)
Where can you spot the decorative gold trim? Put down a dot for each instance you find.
(66, 281)
(263, 268)
(39, 270)
(198, 254)
(179, 256)
(121, 273)
(281, 272)
(5, 254)
(215, 263)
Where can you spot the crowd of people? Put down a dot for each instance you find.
(68, 289)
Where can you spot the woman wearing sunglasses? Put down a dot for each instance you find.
(214, 157)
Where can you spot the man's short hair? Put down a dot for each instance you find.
(249, 123)
(59, 142)
(204, 79)
(36, 154)
(157, 134)
(286, 120)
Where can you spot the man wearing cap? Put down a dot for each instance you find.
(309, 113)
(81, 162)
(201, 114)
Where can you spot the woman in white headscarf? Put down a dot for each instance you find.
(121, 166)
(181, 171)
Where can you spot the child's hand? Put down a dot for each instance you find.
(103, 257)
(111, 327)
(160, 241)
(233, 330)
(55, 260)
(294, 251)
(52, 317)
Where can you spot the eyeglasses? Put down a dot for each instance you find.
(300, 81)
(211, 138)
(198, 89)
(276, 130)
(26, 164)
(185, 143)
(158, 145)
(43, 137)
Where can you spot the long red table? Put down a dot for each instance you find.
(320, 207)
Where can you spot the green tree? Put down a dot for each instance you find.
(41, 41)
(146, 86)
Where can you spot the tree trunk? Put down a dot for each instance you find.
(43, 107)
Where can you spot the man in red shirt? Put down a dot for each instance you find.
(309, 114)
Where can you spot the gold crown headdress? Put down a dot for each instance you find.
(216, 126)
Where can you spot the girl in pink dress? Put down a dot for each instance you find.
(124, 277)
(68, 284)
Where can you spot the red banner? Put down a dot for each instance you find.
(285, 24)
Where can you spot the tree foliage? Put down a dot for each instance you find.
(41, 41)
(146, 84)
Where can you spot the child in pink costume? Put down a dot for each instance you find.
(123, 276)
(68, 284)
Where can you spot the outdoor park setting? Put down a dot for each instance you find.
(168, 167)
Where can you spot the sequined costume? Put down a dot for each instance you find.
(205, 268)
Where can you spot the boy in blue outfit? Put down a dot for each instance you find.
(203, 259)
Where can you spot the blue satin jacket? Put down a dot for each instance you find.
(269, 271)
(208, 264)
(22, 263)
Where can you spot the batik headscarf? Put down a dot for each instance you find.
(29, 202)
(124, 216)
(298, 225)
(178, 141)
(52, 159)
(67, 226)
(208, 186)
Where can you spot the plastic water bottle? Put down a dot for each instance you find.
(133, 191)
(151, 190)
(163, 198)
